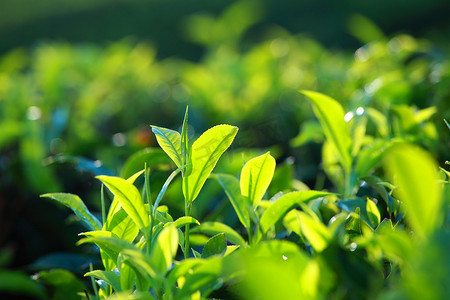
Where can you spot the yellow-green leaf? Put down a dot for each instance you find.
(206, 151)
(331, 116)
(170, 141)
(414, 172)
(130, 199)
(256, 176)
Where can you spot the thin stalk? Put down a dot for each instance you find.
(102, 198)
(94, 285)
(151, 213)
(186, 232)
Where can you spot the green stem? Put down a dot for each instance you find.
(102, 197)
(151, 213)
(186, 232)
(250, 234)
(94, 285)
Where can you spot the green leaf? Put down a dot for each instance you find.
(107, 242)
(331, 116)
(19, 283)
(164, 250)
(129, 198)
(213, 228)
(230, 185)
(415, 173)
(185, 139)
(217, 245)
(314, 231)
(122, 226)
(285, 203)
(170, 141)
(64, 285)
(373, 213)
(256, 176)
(141, 264)
(76, 204)
(206, 151)
(180, 222)
(115, 205)
(109, 276)
(380, 121)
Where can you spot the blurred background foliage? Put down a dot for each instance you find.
(81, 81)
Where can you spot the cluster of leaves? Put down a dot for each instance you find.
(373, 239)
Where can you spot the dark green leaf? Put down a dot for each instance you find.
(217, 245)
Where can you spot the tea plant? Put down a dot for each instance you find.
(335, 246)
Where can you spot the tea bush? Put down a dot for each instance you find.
(375, 224)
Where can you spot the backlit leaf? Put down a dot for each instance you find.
(230, 185)
(129, 198)
(256, 176)
(331, 116)
(107, 242)
(206, 151)
(216, 245)
(279, 208)
(415, 173)
(76, 204)
(170, 141)
(314, 231)
(164, 250)
(213, 228)
(373, 213)
(109, 276)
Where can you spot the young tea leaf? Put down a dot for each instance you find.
(217, 245)
(164, 250)
(206, 151)
(373, 213)
(256, 176)
(170, 141)
(115, 204)
(279, 208)
(76, 204)
(415, 173)
(109, 276)
(129, 198)
(331, 116)
(213, 228)
(107, 242)
(314, 231)
(230, 185)
(180, 222)
(122, 226)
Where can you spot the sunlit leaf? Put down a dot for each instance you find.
(115, 204)
(109, 276)
(415, 173)
(213, 228)
(256, 176)
(180, 222)
(314, 231)
(107, 242)
(279, 208)
(164, 250)
(170, 141)
(230, 185)
(206, 151)
(79, 208)
(129, 198)
(122, 226)
(216, 245)
(331, 117)
(373, 213)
